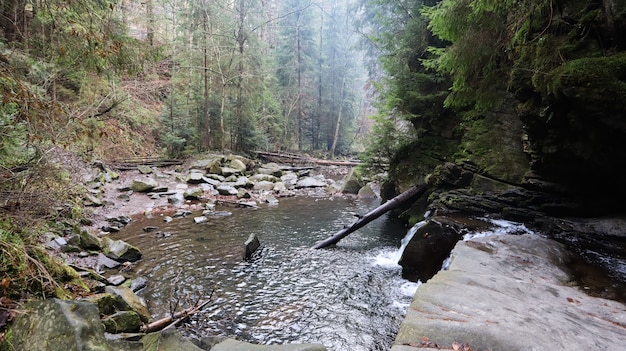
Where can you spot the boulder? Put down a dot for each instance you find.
(264, 177)
(227, 190)
(351, 183)
(122, 322)
(116, 279)
(121, 251)
(238, 165)
(138, 283)
(430, 246)
(507, 292)
(134, 302)
(250, 246)
(104, 261)
(200, 219)
(144, 185)
(193, 194)
(143, 169)
(168, 340)
(89, 241)
(243, 182)
(270, 169)
(290, 180)
(310, 182)
(92, 200)
(263, 185)
(108, 303)
(227, 171)
(195, 178)
(55, 324)
(369, 191)
(176, 199)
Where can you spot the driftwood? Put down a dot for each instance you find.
(240, 204)
(372, 215)
(174, 319)
(297, 159)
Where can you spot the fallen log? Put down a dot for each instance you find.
(394, 203)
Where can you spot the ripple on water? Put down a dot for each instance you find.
(288, 293)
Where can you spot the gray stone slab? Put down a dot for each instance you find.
(509, 293)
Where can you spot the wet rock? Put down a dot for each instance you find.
(270, 169)
(176, 199)
(263, 185)
(195, 178)
(143, 169)
(193, 194)
(509, 292)
(121, 251)
(351, 183)
(369, 191)
(134, 302)
(290, 180)
(116, 280)
(107, 303)
(122, 322)
(250, 246)
(227, 171)
(55, 324)
(227, 190)
(104, 261)
(144, 185)
(238, 165)
(243, 182)
(271, 199)
(149, 229)
(138, 283)
(92, 200)
(181, 213)
(430, 246)
(200, 219)
(310, 182)
(264, 177)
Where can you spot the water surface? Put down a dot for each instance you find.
(345, 297)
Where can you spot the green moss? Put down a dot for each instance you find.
(596, 81)
(493, 142)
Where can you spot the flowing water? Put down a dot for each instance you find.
(350, 297)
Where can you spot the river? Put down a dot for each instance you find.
(350, 297)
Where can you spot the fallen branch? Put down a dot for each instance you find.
(372, 215)
(176, 318)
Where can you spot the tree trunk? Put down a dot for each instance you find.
(394, 203)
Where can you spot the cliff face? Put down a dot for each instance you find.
(550, 153)
(558, 136)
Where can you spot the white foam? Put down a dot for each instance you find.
(500, 227)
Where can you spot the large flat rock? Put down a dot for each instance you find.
(510, 293)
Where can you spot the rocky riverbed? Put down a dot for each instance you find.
(113, 197)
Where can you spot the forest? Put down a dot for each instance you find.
(530, 93)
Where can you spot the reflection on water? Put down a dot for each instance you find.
(340, 297)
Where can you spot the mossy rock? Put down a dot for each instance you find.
(594, 81)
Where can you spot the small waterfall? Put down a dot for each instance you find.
(391, 259)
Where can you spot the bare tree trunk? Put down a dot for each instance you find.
(394, 203)
(150, 15)
(340, 111)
